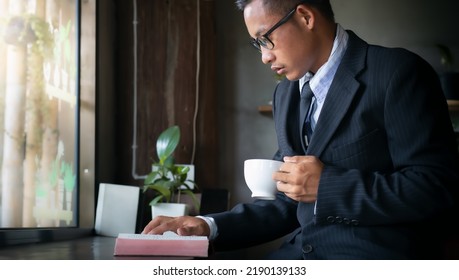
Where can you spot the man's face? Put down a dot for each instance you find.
(292, 54)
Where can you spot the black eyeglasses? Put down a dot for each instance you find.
(263, 40)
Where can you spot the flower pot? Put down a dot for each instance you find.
(169, 209)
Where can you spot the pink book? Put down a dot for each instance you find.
(168, 244)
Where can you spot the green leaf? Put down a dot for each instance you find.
(182, 177)
(446, 55)
(171, 185)
(151, 177)
(156, 200)
(193, 197)
(167, 143)
(169, 163)
(187, 184)
(163, 190)
(181, 169)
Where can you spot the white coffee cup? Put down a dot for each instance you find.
(258, 177)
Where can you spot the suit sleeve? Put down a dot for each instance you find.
(249, 224)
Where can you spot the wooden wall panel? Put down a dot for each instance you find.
(167, 44)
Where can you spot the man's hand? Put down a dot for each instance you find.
(184, 225)
(299, 178)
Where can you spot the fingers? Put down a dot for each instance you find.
(193, 226)
(159, 225)
(280, 177)
(290, 159)
(291, 163)
(185, 225)
(185, 231)
(188, 231)
(299, 177)
(298, 159)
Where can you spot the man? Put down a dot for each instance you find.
(370, 158)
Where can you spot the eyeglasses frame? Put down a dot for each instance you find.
(257, 43)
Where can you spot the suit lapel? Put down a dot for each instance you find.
(286, 110)
(334, 110)
(340, 95)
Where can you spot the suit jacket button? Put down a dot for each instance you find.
(355, 222)
(331, 219)
(338, 219)
(307, 249)
(346, 221)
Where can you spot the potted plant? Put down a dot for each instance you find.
(167, 179)
(450, 77)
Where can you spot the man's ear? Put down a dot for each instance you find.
(307, 15)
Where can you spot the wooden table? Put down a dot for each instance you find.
(86, 248)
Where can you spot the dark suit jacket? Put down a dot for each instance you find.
(390, 155)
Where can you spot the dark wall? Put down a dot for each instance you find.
(172, 82)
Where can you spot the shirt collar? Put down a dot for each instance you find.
(320, 82)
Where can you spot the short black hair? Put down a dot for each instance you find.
(284, 6)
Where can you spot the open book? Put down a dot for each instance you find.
(167, 244)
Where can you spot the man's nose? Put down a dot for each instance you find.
(267, 56)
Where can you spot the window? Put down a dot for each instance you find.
(47, 93)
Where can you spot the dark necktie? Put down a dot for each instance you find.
(305, 115)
